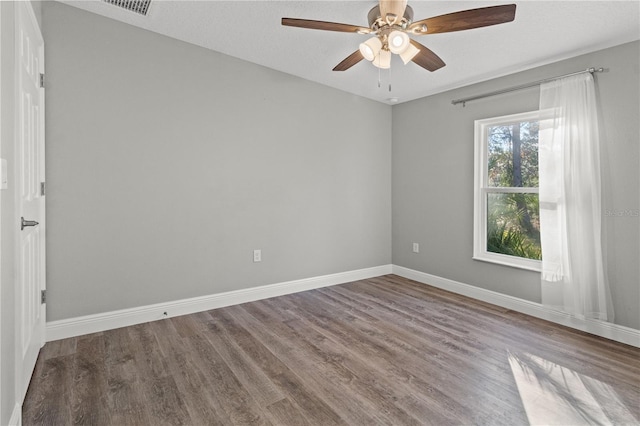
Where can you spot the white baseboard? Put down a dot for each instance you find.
(16, 416)
(72, 327)
(611, 331)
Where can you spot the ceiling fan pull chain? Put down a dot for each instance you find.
(389, 79)
(378, 77)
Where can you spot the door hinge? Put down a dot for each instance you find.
(42, 189)
(42, 80)
(43, 297)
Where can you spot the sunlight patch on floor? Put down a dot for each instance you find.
(556, 395)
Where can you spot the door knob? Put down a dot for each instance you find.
(27, 223)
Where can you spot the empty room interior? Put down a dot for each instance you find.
(320, 212)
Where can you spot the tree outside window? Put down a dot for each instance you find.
(507, 218)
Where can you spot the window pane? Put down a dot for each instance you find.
(513, 155)
(513, 225)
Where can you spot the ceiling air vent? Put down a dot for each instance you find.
(137, 6)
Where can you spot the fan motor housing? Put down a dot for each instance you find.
(374, 16)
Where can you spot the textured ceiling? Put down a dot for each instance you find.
(542, 32)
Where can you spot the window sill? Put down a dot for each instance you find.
(504, 260)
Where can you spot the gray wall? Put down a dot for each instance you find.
(37, 10)
(167, 164)
(433, 178)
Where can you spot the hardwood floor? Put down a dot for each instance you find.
(380, 351)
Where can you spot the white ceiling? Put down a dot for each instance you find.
(542, 32)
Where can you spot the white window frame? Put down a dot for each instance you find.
(481, 189)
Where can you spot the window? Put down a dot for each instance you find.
(506, 210)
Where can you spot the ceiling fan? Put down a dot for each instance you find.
(391, 23)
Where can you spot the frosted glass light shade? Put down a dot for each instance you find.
(370, 48)
(410, 52)
(398, 42)
(383, 60)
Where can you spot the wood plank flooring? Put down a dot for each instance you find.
(380, 351)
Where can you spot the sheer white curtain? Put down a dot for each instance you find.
(573, 274)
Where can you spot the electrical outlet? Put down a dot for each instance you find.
(257, 255)
(416, 248)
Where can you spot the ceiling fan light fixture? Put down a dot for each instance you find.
(370, 48)
(383, 60)
(410, 52)
(398, 42)
(391, 22)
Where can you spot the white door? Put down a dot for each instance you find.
(29, 167)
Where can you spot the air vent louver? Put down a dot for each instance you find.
(137, 6)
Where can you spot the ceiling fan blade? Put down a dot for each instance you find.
(349, 61)
(426, 58)
(395, 7)
(466, 19)
(323, 25)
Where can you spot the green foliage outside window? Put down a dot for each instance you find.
(513, 219)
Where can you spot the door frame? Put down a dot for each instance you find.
(0, 215)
